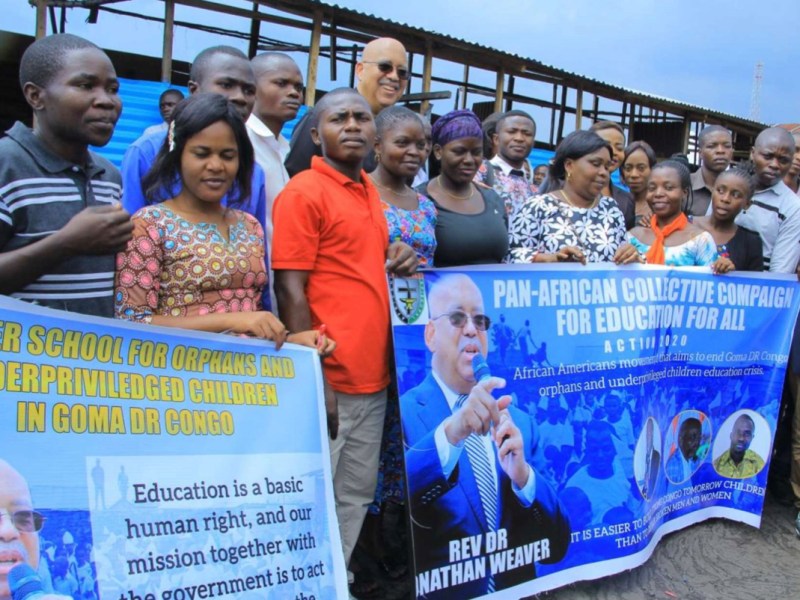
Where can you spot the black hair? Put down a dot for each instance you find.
(690, 422)
(644, 147)
(201, 61)
(191, 116)
(263, 62)
(390, 116)
(170, 92)
(601, 125)
(748, 417)
(745, 176)
(708, 130)
(576, 145)
(44, 58)
(512, 113)
(685, 179)
(539, 166)
(489, 127)
(323, 103)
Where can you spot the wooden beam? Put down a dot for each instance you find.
(166, 52)
(498, 90)
(427, 67)
(255, 32)
(561, 114)
(579, 110)
(313, 59)
(510, 94)
(685, 135)
(553, 116)
(464, 87)
(41, 19)
(624, 115)
(595, 107)
(353, 61)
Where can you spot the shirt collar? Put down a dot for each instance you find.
(449, 394)
(779, 189)
(258, 127)
(318, 164)
(499, 161)
(48, 160)
(698, 183)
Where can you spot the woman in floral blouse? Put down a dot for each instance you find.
(193, 262)
(571, 221)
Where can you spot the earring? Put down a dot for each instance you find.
(569, 175)
(377, 156)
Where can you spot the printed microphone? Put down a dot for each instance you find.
(25, 584)
(480, 369)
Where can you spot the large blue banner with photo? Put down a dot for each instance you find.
(146, 463)
(636, 401)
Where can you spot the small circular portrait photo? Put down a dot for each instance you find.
(741, 444)
(686, 444)
(647, 458)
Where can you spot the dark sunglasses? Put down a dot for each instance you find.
(386, 67)
(28, 521)
(459, 319)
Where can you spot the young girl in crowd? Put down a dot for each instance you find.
(635, 172)
(671, 239)
(400, 152)
(192, 262)
(732, 193)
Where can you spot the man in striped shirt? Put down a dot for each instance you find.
(61, 222)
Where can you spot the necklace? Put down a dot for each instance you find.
(571, 203)
(395, 192)
(454, 196)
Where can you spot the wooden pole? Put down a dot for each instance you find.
(595, 107)
(41, 19)
(464, 87)
(579, 110)
(313, 59)
(686, 130)
(562, 110)
(166, 53)
(427, 67)
(353, 61)
(510, 97)
(553, 116)
(255, 32)
(498, 90)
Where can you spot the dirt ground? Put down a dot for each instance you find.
(714, 560)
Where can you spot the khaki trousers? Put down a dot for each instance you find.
(355, 454)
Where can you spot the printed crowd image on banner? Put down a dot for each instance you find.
(558, 422)
(146, 463)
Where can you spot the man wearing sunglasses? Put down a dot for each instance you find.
(382, 77)
(469, 456)
(19, 526)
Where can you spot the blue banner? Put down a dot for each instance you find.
(147, 463)
(619, 404)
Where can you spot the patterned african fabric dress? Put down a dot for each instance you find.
(417, 228)
(700, 251)
(545, 224)
(173, 267)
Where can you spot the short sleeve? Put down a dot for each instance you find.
(297, 220)
(138, 273)
(6, 222)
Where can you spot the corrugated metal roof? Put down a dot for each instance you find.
(531, 65)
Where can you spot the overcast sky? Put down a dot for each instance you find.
(698, 51)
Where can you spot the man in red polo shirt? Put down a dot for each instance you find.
(330, 254)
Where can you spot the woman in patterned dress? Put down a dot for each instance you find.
(193, 262)
(571, 221)
(671, 239)
(400, 151)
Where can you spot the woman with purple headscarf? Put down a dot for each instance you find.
(471, 228)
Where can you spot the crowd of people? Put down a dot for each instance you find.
(218, 223)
